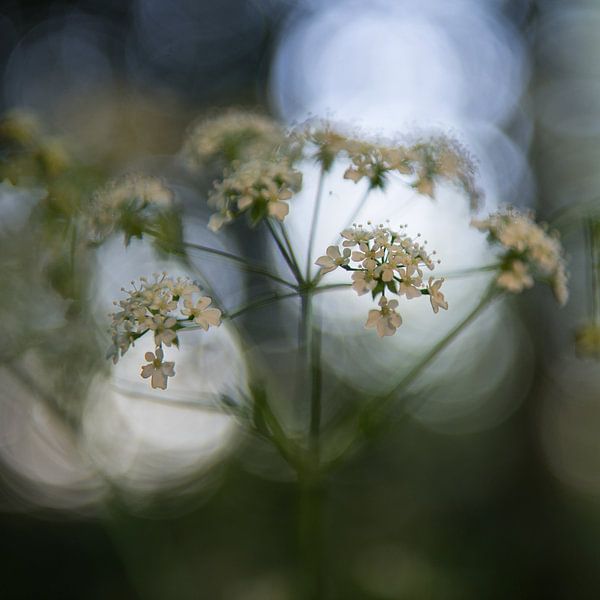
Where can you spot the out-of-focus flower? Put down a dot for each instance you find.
(157, 370)
(326, 140)
(515, 277)
(259, 188)
(530, 252)
(232, 136)
(587, 340)
(132, 204)
(333, 259)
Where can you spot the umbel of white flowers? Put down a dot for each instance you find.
(161, 308)
(384, 262)
(530, 252)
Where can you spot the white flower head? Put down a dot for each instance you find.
(530, 252)
(234, 135)
(259, 188)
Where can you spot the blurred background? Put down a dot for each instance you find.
(488, 489)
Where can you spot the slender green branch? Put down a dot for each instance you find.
(313, 224)
(375, 411)
(283, 251)
(291, 253)
(485, 301)
(330, 287)
(246, 265)
(467, 272)
(315, 395)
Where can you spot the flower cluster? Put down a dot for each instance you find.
(232, 136)
(531, 251)
(258, 188)
(132, 203)
(375, 161)
(155, 307)
(384, 261)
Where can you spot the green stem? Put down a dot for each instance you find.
(247, 266)
(467, 272)
(441, 345)
(313, 224)
(283, 251)
(375, 412)
(291, 253)
(594, 251)
(311, 536)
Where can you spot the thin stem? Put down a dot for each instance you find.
(467, 272)
(270, 299)
(311, 487)
(441, 345)
(258, 303)
(313, 224)
(375, 411)
(315, 401)
(595, 268)
(291, 253)
(246, 265)
(283, 251)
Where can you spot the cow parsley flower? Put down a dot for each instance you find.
(530, 252)
(232, 136)
(435, 296)
(385, 320)
(155, 307)
(333, 259)
(201, 313)
(259, 188)
(387, 261)
(157, 370)
(132, 204)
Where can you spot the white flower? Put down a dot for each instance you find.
(386, 320)
(182, 287)
(435, 296)
(364, 281)
(412, 280)
(356, 236)
(158, 370)
(162, 327)
(333, 259)
(368, 256)
(515, 278)
(203, 316)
